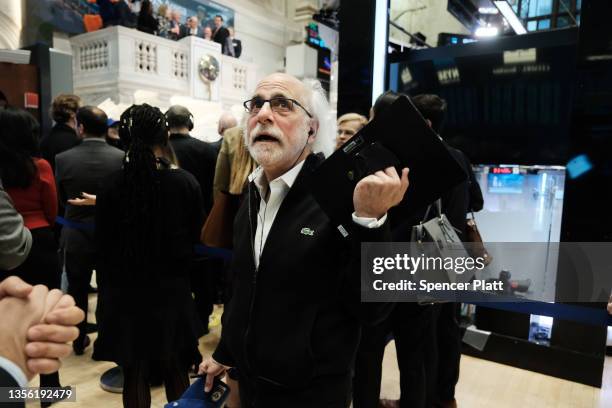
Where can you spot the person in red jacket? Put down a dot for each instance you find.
(30, 183)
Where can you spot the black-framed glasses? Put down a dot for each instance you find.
(278, 104)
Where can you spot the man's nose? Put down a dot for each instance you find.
(265, 113)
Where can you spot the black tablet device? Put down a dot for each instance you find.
(397, 136)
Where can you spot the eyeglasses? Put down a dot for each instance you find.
(278, 104)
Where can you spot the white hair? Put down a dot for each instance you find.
(325, 137)
(318, 107)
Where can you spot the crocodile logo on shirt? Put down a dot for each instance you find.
(307, 231)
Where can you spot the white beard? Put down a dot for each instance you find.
(271, 154)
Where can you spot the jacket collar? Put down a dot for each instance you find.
(93, 139)
(179, 135)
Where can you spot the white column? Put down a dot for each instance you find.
(11, 21)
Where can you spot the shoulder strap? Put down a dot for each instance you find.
(438, 207)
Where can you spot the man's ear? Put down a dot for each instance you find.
(428, 122)
(312, 132)
(81, 129)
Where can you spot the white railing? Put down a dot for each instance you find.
(117, 62)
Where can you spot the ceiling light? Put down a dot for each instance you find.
(510, 16)
(488, 10)
(486, 31)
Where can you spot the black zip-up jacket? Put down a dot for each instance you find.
(297, 317)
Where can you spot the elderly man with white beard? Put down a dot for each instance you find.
(293, 322)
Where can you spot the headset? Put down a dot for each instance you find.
(179, 115)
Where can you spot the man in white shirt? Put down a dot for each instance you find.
(193, 28)
(292, 325)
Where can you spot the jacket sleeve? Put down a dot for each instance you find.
(222, 356)
(369, 313)
(8, 379)
(476, 200)
(15, 238)
(222, 168)
(61, 194)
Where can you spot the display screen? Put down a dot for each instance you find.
(505, 183)
(504, 103)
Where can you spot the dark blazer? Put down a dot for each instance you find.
(198, 158)
(7, 380)
(78, 170)
(216, 145)
(297, 318)
(185, 31)
(220, 36)
(61, 138)
(237, 47)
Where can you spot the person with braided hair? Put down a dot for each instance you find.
(148, 218)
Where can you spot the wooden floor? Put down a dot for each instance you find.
(482, 383)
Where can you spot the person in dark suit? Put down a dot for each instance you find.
(125, 16)
(236, 43)
(63, 135)
(33, 315)
(78, 170)
(293, 321)
(198, 158)
(427, 337)
(106, 9)
(148, 218)
(444, 350)
(221, 34)
(191, 28)
(195, 156)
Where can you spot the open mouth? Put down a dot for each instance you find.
(265, 138)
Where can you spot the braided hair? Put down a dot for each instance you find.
(141, 129)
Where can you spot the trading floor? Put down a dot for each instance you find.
(483, 384)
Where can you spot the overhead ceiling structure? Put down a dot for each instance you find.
(516, 16)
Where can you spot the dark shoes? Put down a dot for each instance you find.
(112, 380)
(79, 349)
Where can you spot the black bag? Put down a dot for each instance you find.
(397, 136)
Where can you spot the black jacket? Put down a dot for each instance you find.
(220, 36)
(464, 197)
(7, 380)
(299, 316)
(237, 47)
(61, 138)
(198, 158)
(82, 169)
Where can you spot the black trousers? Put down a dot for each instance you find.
(137, 379)
(203, 287)
(412, 328)
(41, 268)
(79, 269)
(444, 353)
(322, 392)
